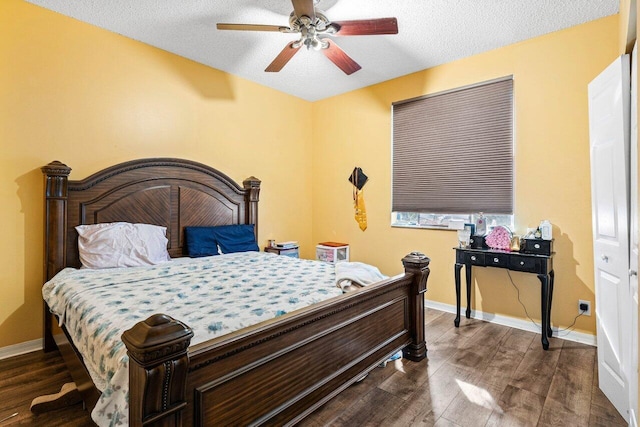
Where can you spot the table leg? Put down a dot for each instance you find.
(467, 270)
(549, 330)
(457, 268)
(544, 310)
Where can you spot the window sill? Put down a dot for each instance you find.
(426, 227)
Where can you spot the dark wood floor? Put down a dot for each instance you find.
(480, 374)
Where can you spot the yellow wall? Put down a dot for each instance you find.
(72, 92)
(90, 98)
(552, 176)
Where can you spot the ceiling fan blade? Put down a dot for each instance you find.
(363, 27)
(341, 59)
(304, 7)
(282, 58)
(252, 27)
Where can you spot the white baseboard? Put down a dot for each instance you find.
(22, 348)
(524, 324)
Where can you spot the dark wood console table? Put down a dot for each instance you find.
(542, 265)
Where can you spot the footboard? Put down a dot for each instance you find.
(279, 371)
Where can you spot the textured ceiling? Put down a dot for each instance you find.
(431, 32)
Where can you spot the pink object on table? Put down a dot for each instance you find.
(499, 238)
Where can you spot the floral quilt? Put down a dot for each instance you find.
(213, 296)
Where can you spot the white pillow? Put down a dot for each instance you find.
(121, 244)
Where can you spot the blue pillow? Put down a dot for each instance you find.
(200, 241)
(236, 238)
(204, 241)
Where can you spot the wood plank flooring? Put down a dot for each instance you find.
(480, 374)
(25, 377)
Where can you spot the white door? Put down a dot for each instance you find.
(609, 95)
(633, 238)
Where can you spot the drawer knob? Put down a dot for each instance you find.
(495, 260)
(473, 257)
(604, 258)
(521, 262)
(537, 246)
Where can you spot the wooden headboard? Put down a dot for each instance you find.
(173, 193)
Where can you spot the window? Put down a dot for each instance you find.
(453, 156)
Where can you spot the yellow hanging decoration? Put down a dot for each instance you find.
(361, 211)
(359, 179)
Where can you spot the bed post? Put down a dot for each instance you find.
(55, 232)
(158, 364)
(417, 264)
(252, 193)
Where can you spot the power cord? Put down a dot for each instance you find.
(568, 328)
(523, 306)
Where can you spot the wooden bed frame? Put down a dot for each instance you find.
(276, 372)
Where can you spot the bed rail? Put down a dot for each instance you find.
(278, 372)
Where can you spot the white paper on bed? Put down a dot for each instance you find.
(212, 295)
(348, 273)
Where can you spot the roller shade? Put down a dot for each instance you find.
(453, 151)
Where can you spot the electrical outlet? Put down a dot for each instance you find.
(584, 307)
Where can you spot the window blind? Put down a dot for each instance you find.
(453, 151)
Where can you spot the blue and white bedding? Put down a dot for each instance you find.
(212, 295)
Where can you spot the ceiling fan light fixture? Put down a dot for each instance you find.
(316, 31)
(318, 44)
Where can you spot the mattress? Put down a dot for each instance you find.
(213, 296)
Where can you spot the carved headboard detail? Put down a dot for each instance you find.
(169, 192)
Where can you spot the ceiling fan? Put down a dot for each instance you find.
(314, 28)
